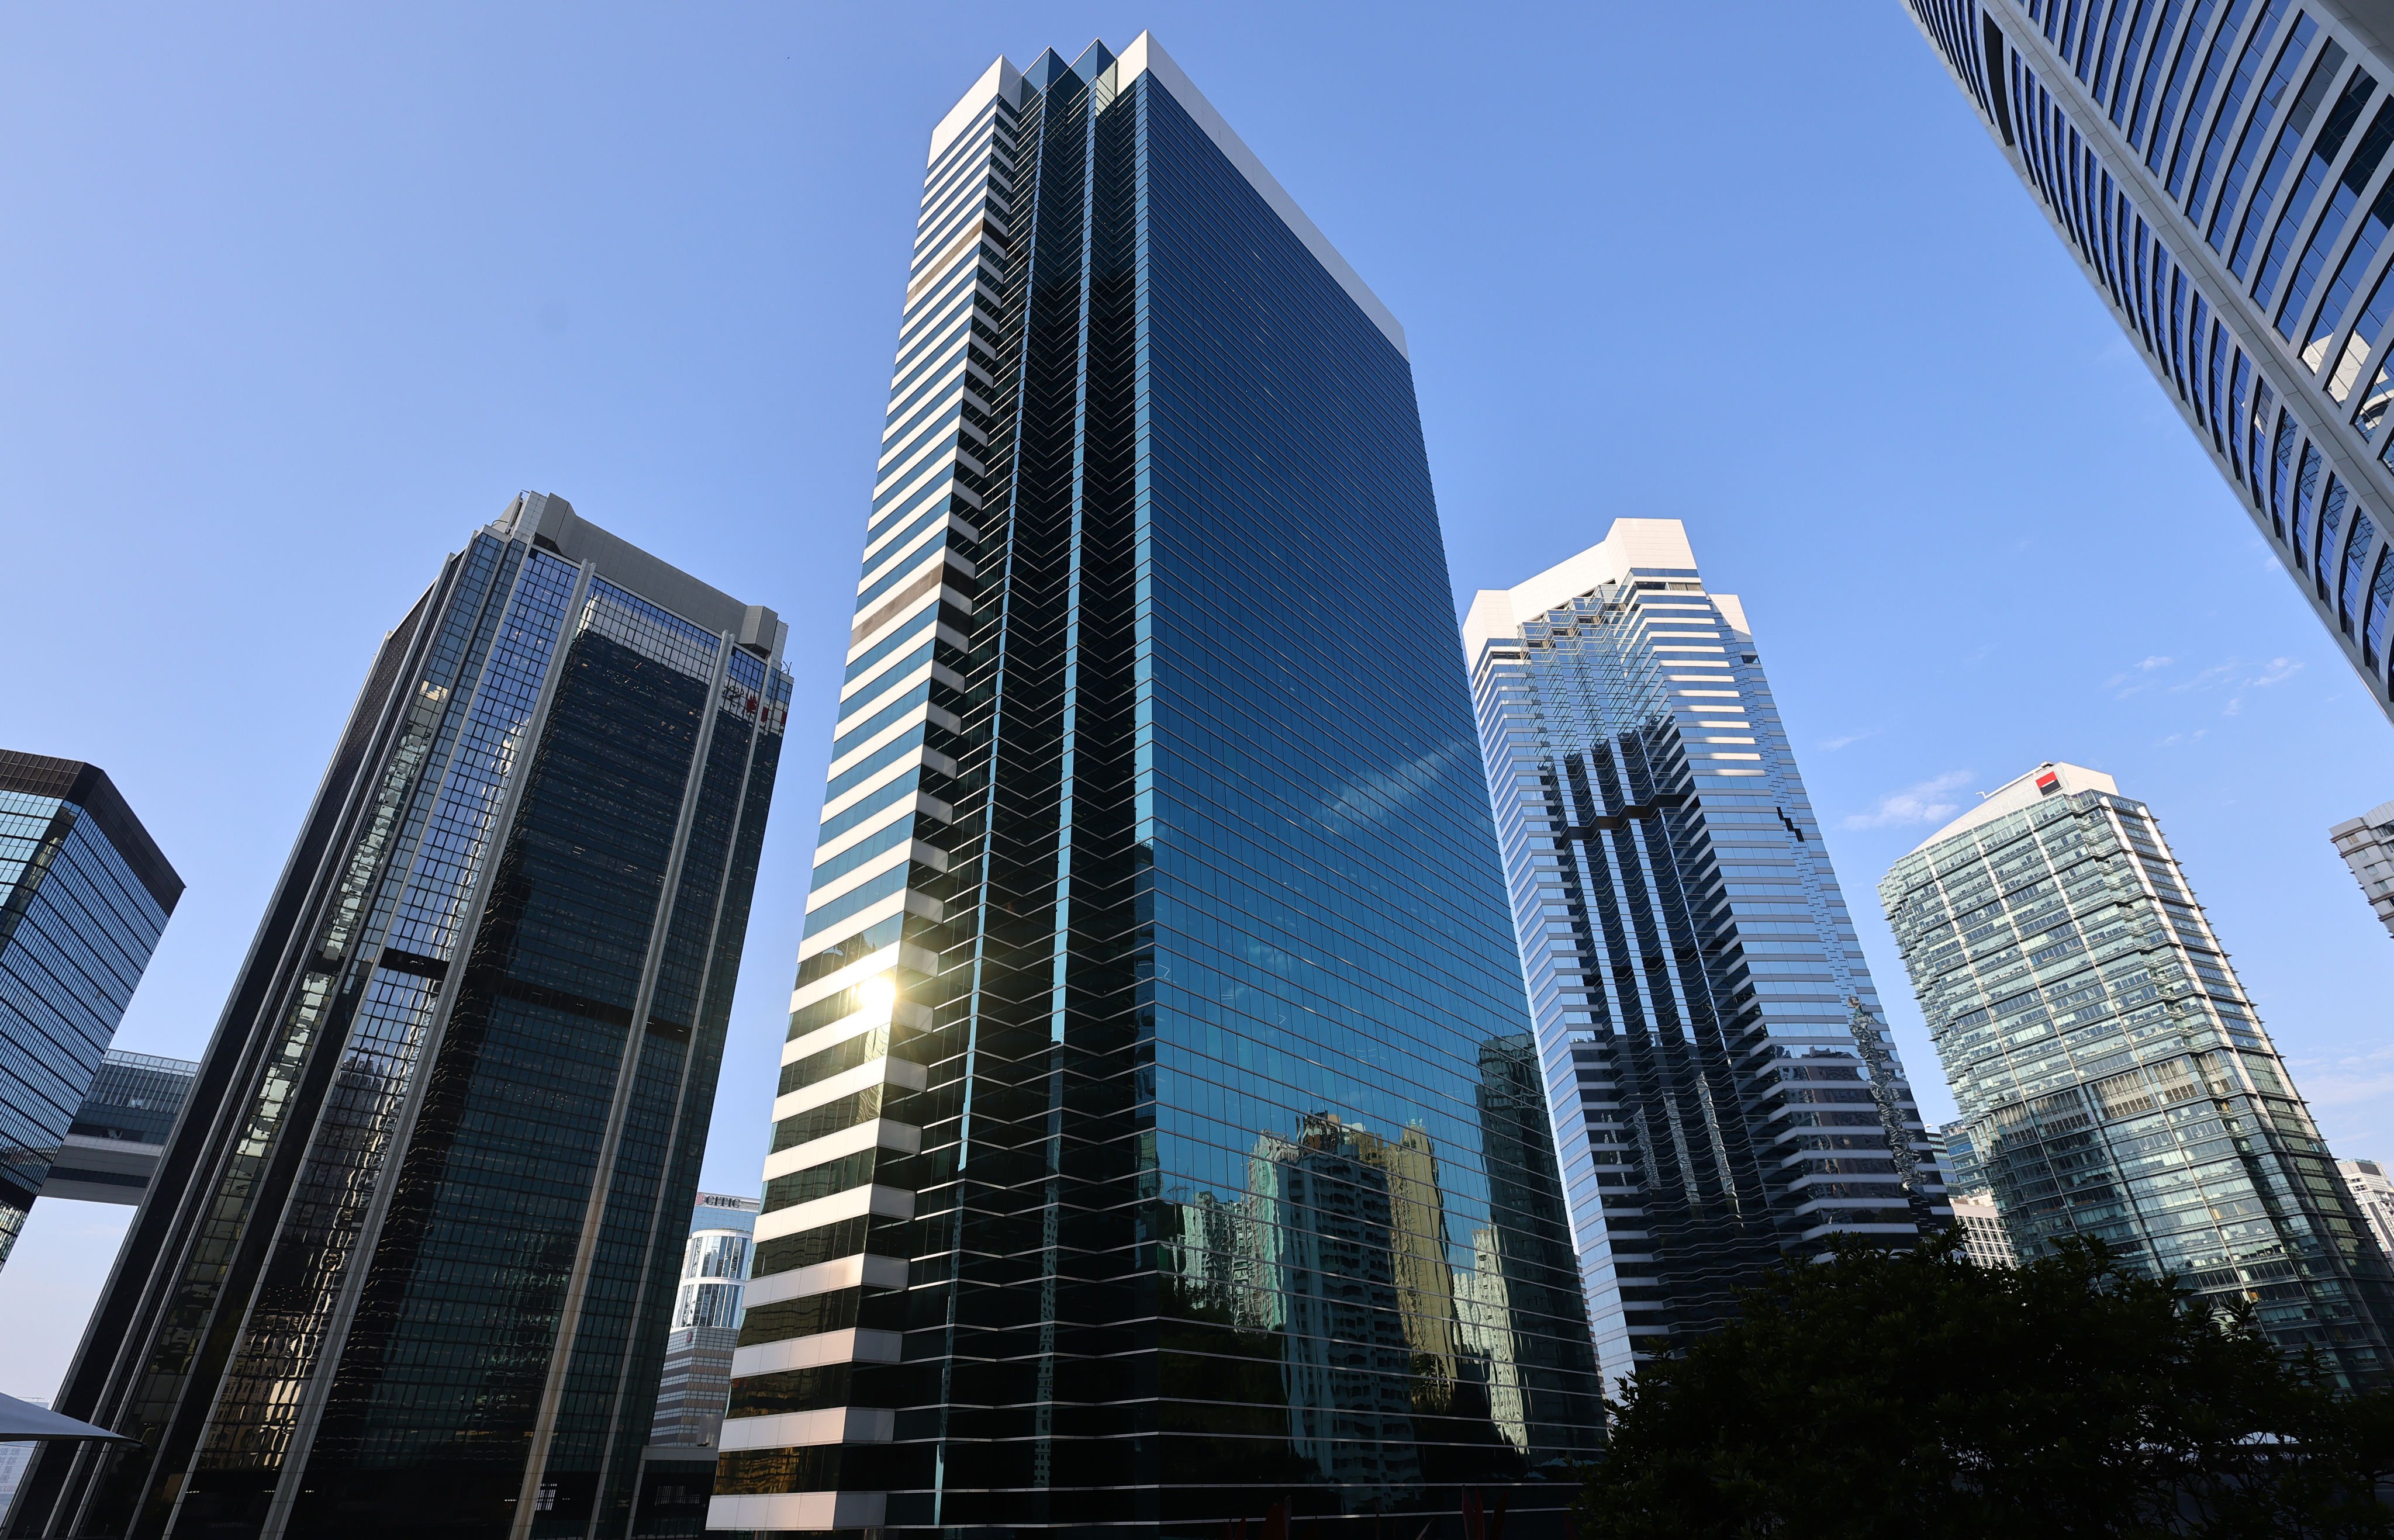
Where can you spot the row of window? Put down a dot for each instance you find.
(2328, 536)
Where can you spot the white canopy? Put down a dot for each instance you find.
(21, 1420)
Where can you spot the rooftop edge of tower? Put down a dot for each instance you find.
(1650, 547)
(2023, 790)
(1145, 56)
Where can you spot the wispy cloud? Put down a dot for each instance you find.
(2343, 1081)
(2137, 678)
(1923, 802)
(1833, 745)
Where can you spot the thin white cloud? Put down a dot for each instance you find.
(1924, 802)
(1833, 745)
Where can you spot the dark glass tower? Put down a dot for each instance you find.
(84, 894)
(407, 1266)
(1152, 1145)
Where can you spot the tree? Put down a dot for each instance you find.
(1908, 1394)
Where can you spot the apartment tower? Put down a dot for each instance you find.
(2221, 173)
(406, 1265)
(1723, 1087)
(2114, 1077)
(1151, 1147)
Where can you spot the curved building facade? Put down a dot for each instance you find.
(2223, 171)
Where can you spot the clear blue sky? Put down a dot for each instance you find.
(291, 299)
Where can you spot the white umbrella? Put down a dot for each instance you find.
(21, 1420)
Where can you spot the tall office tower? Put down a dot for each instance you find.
(1723, 1089)
(113, 1146)
(407, 1265)
(2112, 1076)
(2367, 845)
(84, 894)
(1155, 881)
(696, 1382)
(2218, 172)
(2373, 1191)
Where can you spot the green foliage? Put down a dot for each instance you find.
(1908, 1394)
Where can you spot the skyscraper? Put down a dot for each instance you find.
(2217, 171)
(407, 1266)
(2367, 845)
(2373, 1191)
(113, 1146)
(1724, 1091)
(696, 1382)
(2113, 1077)
(1155, 887)
(83, 895)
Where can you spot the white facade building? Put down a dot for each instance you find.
(2374, 1192)
(2367, 845)
(1723, 1091)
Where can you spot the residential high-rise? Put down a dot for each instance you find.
(2373, 1191)
(2218, 172)
(1155, 887)
(407, 1266)
(83, 895)
(2113, 1077)
(113, 1146)
(696, 1382)
(2367, 845)
(1724, 1091)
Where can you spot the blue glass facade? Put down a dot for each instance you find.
(1160, 1137)
(2221, 169)
(83, 896)
(409, 1262)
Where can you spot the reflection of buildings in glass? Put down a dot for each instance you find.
(1424, 1279)
(1485, 1306)
(1329, 1281)
(1525, 1276)
(1125, 860)
(120, 1130)
(1721, 1090)
(424, 1204)
(84, 894)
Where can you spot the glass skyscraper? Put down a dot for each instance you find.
(2220, 168)
(1724, 1091)
(113, 1146)
(407, 1266)
(2112, 1076)
(1157, 1135)
(83, 896)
